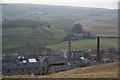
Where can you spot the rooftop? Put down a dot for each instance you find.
(23, 65)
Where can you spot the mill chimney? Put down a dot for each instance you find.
(69, 51)
(98, 49)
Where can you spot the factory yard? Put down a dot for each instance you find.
(109, 70)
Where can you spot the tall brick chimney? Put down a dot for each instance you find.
(69, 51)
(98, 56)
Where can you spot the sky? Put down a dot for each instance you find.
(109, 4)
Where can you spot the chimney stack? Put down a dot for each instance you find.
(69, 51)
(98, 49)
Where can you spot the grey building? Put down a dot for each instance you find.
(74, 53)
(44, 65)
(60, 68)
(58, 64)
(24, 69)
(77, 53)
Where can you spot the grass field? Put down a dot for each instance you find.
(26, 25)
(85, 44)
(100, 71)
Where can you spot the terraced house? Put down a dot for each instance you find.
(43, 66)
(25, 68)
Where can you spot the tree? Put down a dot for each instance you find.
(48, 26)
(77, 28)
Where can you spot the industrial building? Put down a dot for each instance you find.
(43, 66)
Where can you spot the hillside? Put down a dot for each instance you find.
(85, 44)
(99, 71)
(94, 20)
(26, 33)
(28, 25)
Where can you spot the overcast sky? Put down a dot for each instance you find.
(110, 4)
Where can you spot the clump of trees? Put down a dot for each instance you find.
(77, 28)
(78, 33)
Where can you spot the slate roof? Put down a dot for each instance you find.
(10, 61)
(56, 60)
(63, 67)
(23, 66)
(42, 58)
